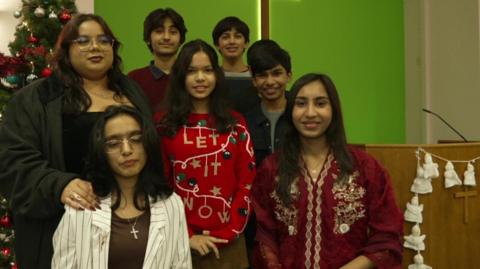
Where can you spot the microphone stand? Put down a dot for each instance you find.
(444, 121)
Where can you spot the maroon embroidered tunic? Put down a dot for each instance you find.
(328, 224)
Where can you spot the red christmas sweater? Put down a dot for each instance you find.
(213, 173)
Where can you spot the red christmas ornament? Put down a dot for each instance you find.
(46, 72)
(6, 252)
(32, 39)
(5, 221)
(65, 16)
(13, 265)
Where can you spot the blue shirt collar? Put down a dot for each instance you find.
(156, 72)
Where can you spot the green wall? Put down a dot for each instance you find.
(126, 19)
(358, 43)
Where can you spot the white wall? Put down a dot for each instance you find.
(8, 22)
(414, 71)
(442, 56)
(85, 6)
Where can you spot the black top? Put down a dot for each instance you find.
(76, 137)
(242, 94)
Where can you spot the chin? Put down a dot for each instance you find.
(165, 52)
(130, 174)
(96, 75)
(272, 98)
(311, 135)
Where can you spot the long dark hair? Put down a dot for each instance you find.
(151, 182)
(76, 99)
(290, 149)
(178, 100)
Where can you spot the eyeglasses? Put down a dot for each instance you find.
(84, 43)
(115, 145)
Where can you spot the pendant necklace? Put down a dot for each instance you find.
(314, 171)
(133, 230)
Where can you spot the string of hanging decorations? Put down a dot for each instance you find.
(422, 184)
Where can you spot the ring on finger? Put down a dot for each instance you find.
(75, 196)
(75, 204)
(71, 201)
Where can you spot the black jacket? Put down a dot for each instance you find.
(259, 128)
(32, 168)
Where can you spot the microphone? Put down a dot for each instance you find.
(444, 121)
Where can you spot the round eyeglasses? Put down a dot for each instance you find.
(115, 145)
(85, 43)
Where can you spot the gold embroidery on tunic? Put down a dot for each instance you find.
(349, 206)
(287, 215)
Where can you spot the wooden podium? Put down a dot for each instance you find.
(451, 217)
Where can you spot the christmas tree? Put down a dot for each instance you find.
(40, 23)
(7, 257)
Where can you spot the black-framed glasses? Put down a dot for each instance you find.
(103, 42)
(115, 145)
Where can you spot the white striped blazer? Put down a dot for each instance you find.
(82, 238)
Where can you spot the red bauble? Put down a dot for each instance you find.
(5, 221)
(46, 72)
(65, 16)
(32, 39)
(6, 252)
(13, 265)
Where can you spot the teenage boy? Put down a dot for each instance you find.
(231, 38)
(271, 71)
(163, 31)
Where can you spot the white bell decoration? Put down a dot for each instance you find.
(415, 239)
(421, 184)
(451, 177)
(418, 263)
(413, 213)
(430, 168)
(469, 176)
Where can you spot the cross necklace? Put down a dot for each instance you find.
(133, 230)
